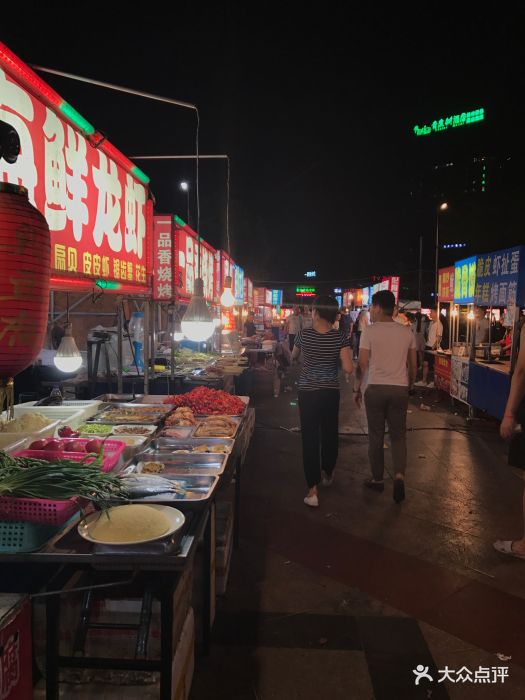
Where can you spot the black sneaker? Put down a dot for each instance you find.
(378, 486)
(399, 490)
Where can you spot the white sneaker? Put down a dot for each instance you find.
(312, 501)
(420, 383)
(431, 385)
(327, 480)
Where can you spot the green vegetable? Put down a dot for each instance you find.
(95, 429)
(61, 479)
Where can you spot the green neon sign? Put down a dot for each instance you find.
(107, 284)
(463, 119)
(305, 290)
(179, 221)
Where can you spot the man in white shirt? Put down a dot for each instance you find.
(294, 324)
(435, 333)
(482, 327)
(388, 351)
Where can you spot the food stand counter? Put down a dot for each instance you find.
(500, 284)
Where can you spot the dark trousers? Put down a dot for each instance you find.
(319, 412)
(291, 340)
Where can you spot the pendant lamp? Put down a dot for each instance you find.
(67, 357)
(197, 323)
(227, 298)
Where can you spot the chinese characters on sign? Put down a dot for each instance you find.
(465, 280)
(500, 277)
(277, 297)
(95, 209)
(238, 285)
(446, 284)
(477, 115)
(162, 258)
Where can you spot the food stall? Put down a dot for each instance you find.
(443, 360)
(263, 307)
(190, 448)
(156, 465)
(461, 329)
(500, 286)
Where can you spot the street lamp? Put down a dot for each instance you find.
(185, 187)
(442, 207)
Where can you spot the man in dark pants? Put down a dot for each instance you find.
(321, 347)
(388, 352)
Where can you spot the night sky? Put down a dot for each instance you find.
(316, 112)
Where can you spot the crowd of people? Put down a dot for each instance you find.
(388, 348)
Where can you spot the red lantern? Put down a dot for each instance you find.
(25, 262)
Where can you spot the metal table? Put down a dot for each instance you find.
(160, 573)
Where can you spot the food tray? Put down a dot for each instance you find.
(119, 398)
(113, 450)
(143, 407)
(200, 489)
(88, 429)
(38, 510)
(183, 432)
(235, 419)
(16, 537)
(48, 431)
(117, 430)
(88, 408)
(172, 444)
(137, 443)
(67, 415)
(183, 464)
(111, 417)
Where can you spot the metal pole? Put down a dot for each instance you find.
(119, 347)
(188, 204)
(146, 346)
(437, 250)
(420, 267)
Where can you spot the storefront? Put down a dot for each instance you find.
(500, 292)
(443, 361)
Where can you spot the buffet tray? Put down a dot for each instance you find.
(235, 419)
(172, 444)
(183, 463)
(199, 490)
(111, 415)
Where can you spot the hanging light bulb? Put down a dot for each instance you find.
(197, 323)
(227, 298)
(454, 312)
(68, 357)
(471, 315)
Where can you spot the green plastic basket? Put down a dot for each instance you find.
(17, 536)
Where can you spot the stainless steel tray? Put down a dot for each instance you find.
(189, 444)
(112, 398)
(184, 464)
(141, 418)
(199, 489)
(235, 419)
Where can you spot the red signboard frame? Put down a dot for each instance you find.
(446, 284)
(95, 203)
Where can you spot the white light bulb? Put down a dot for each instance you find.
(68, 357)
(178, 336)
(227, 298)
(198, 331)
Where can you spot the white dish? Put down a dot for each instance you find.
(175, 517)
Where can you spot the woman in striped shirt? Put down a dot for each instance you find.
(321, 347)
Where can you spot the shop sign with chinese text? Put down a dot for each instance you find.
(238, 285)
(248, 291)
(465, 281)
(500, 278)
(446, 284)
(259, 296)
(95, 208)
(163, 235)
(277, 297)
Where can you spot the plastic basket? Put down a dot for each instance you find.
(113, 450)
(18, 537)
(38, 510)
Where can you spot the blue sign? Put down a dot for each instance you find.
(465, 281)
(277, 297)
(500, 277)
(310, 273)
(239, 285)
